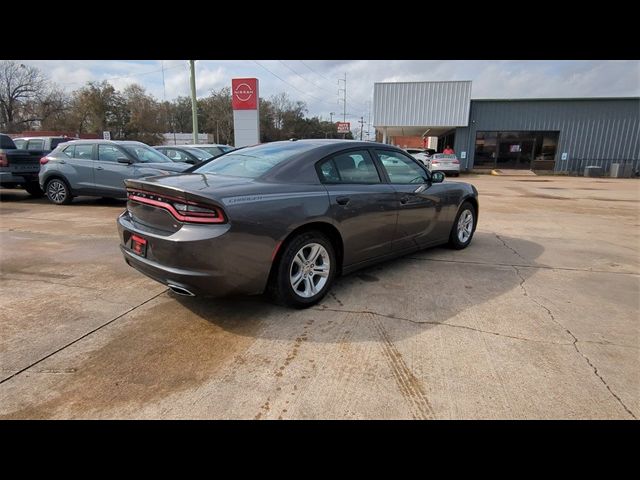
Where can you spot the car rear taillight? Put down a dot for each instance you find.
(183, 210)
(4, 160)
(44, 160)
(455, 161)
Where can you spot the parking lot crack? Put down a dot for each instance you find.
(574, 342)
(109, 322)
(510, 248)
(499, 264)
(441, 324)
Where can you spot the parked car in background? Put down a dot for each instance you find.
(422, 154)
(181, 153)
(446, 163)
(99, 168)
(288, 217)
(19, 168)
(42, 144)
(213, 148)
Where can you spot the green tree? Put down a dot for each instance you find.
(143, 115)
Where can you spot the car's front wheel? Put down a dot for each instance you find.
(464, 227)
(58, 192)
(305, 271)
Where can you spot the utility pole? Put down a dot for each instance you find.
(369, 121)
(344, 99)
(331, 114)
(164, 101)
(361, 122)
(194, 102)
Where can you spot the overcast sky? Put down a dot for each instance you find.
(316, 81)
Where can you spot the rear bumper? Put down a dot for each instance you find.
(445, 168)
(10, 178)
(196, 282)
(205, 260)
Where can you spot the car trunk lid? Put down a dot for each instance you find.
(166, 203)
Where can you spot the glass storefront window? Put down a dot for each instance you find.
(516, 149)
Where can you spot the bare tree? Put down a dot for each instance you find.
(19, 84)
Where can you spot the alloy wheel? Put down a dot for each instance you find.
(465, 226)
(309, 270)
(57, 191)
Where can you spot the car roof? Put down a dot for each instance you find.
(175, 146)
(38, 138)
(114, 142)
(196, 145)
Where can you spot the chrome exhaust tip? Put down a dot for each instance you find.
(181, 291)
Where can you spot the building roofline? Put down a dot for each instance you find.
(550, 99)
(434, 81)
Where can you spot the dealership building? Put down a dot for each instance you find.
(561, 134)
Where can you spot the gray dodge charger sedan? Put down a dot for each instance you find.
(287, 217)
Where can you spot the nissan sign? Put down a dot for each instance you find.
(344, 127)
(245, 93)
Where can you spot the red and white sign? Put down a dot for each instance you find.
(344, 127)
(244, 92)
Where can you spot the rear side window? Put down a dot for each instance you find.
(20, 143)
(35, 144)
(175, 155)
(109, 153)
(83, 152)
(349, 167)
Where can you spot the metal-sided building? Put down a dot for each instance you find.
(561, 134)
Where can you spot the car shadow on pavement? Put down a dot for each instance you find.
(425, 288)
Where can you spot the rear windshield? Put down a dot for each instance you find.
(145, 154)
(199, 154)
(445, 155)
(251, 162)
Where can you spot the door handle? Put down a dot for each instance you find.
(404, 200)
(99, 168)
(342, 200)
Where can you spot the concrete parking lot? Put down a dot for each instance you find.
(538, 318)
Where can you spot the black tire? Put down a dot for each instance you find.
(281, 289)
(58, 185)
(34, 189)
(454, 240)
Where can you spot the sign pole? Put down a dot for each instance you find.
(194, 102)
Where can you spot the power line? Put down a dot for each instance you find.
(331, 81)
(295, 88)
(312, 83)
(315, 71)
(127, 76)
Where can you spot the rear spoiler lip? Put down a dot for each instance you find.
(186, 195)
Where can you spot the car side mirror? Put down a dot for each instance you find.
(437, 177)
(124, 160)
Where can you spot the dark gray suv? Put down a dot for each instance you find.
(99, 168)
